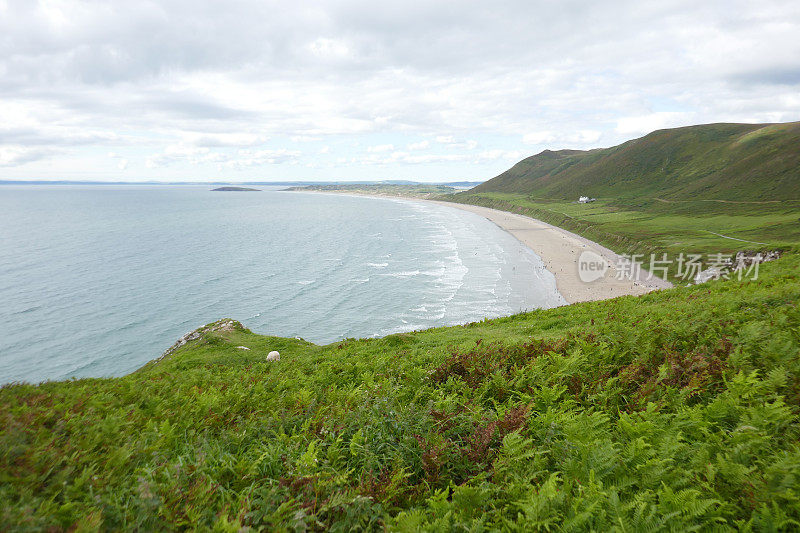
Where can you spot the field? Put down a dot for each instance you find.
(647, 226)
(674, 411)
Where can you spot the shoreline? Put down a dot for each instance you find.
(559, 250)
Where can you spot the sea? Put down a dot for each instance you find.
(97, 280)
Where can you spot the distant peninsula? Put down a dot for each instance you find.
(405, 190)
(234, 189)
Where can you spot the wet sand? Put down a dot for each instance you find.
(560, 250)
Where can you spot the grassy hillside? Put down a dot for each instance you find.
(674, 411)
(717, 188)
(736, 162)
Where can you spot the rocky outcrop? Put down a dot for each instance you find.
(220, 326)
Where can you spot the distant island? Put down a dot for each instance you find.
(234, 189)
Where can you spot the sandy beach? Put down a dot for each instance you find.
(560, 250)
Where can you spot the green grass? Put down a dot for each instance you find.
(674, 411)
(737, 162)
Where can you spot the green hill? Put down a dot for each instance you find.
(752, 162)
(715, 188)
(674, 411)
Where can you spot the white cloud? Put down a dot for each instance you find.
(225, 139)
(381, 148)
(539, 137)
(15, 156)
(177, 153)
(142, 78)
(577, 139)
(329, 48)
(510, 155)
(422, 145)
(255, 158)
(242, 158)
(405, 157)
(452, 142)
(653, 121)
(122, 163)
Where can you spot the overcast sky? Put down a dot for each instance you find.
(240, 90)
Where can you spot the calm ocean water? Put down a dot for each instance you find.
(96, 281)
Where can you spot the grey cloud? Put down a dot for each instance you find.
(39, 137)
(192, 106)
(353, 67)
(228, 140)
(773, 76)
(106, 43)
(15, 156)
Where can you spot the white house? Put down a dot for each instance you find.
(585, 200)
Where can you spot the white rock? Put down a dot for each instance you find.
(273, 356)
(708, 274)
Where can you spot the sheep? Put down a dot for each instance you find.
(273, 356)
